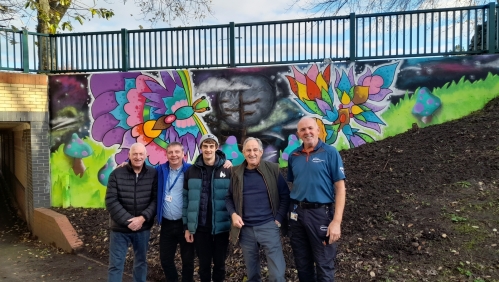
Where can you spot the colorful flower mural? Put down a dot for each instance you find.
(151, 109)
(355, 106)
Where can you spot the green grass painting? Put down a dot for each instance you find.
(458, 100)
(69, 189)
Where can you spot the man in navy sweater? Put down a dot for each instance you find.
(258, 200)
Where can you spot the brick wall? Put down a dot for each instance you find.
(55, 229)
(20, 154)
(23, 92)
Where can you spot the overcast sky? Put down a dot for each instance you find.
(224, 11)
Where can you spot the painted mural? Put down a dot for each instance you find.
(95, 118)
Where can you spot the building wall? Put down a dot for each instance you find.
(21, 158)
(23, 92)
(20, 154)
(25, 139)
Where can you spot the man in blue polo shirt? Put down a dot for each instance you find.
(318, 193)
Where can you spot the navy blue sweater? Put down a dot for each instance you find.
(256, 204)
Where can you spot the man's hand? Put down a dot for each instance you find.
(277, 223)
(334, 232)
(188, 236)
(237, 221)
(227, 164)
(121, 165)
(136, 223)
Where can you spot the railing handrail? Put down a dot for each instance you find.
(226, 47)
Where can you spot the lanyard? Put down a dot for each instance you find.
(175, 181)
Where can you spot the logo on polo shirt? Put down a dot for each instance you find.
(317, 160)
(342, 170)
(222, 174)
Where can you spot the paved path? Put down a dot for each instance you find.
(23, 259)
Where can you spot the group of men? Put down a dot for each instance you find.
(203, 205)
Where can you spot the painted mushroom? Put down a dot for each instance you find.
(105, 171)
(232, 152)
(293, 143)
(77, 149)
(426, 105)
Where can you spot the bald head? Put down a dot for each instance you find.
(137, 155)
(307, 119)
(308, 132)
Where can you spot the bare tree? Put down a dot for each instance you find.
(334, 7)
(169, 10)
(9, 10)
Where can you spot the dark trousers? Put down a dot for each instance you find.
(314, 258)
(211, 248)
(172, 234)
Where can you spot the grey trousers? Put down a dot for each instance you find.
(268, 236)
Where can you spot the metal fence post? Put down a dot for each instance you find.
(232, 45)
(125, 63)
(352, 37)
(25, 54)
(491, 28)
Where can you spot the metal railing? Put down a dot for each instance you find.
(437, 32)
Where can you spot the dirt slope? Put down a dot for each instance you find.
(421, 206)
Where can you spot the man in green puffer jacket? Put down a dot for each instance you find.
(205, 217)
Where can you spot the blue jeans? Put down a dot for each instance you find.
(314, 259)
(268, 236)
(118, 247)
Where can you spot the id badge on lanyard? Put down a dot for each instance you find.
(169, 197)
(293, 215)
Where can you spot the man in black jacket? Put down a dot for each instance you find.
(131, 202)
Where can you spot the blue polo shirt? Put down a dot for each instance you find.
(313, 174)
(174, 187)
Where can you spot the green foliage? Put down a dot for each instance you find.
(464, 271)
(51, 12)
(458, 100)
(68, 189)
(456, 218)
(389, 216)
(463, 184)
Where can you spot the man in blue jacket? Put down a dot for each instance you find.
(206, 220)
(170, 202)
